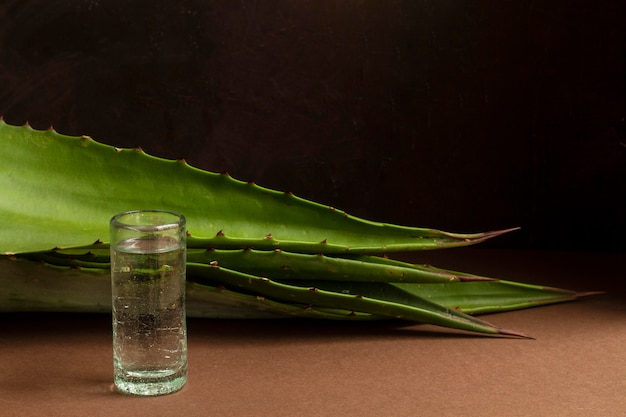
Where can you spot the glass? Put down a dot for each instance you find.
(148, 282)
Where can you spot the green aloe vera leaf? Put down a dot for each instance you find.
(281, 265)
(480, 297)
(276, 264)
(470, 297)
(427, 312)
(84, 260)
(40, 286)
(480, 294)
(485, 295)
(31, 286)
(60, 191)
(501, 295)
(379, 237)
(37, 286)
(476, 294)
(424, 268)
(348, 275)
(207, 301)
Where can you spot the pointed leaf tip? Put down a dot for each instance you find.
(503, 231)
(588, 293)
(506, 332)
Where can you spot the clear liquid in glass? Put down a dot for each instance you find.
(149, 330)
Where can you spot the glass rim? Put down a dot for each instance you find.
(179, 220)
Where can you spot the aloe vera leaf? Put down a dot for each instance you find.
(206, 301)
(426, 312)
(351, 276)
(40, 286)
(83, 260)
(480, 297)
(281, 265)
(487, 296)
(425, 268)
(276, 264)
(480, 294)
(472, 297)
(346, 238)
(476, 294)
(60, 191)
(31, 286)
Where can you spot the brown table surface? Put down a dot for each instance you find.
(60, 364)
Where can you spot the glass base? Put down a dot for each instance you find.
(150, 383)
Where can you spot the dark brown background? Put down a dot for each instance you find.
(460, 115)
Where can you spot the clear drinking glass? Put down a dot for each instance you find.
(148, 283)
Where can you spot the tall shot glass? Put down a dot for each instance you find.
(148, 293)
